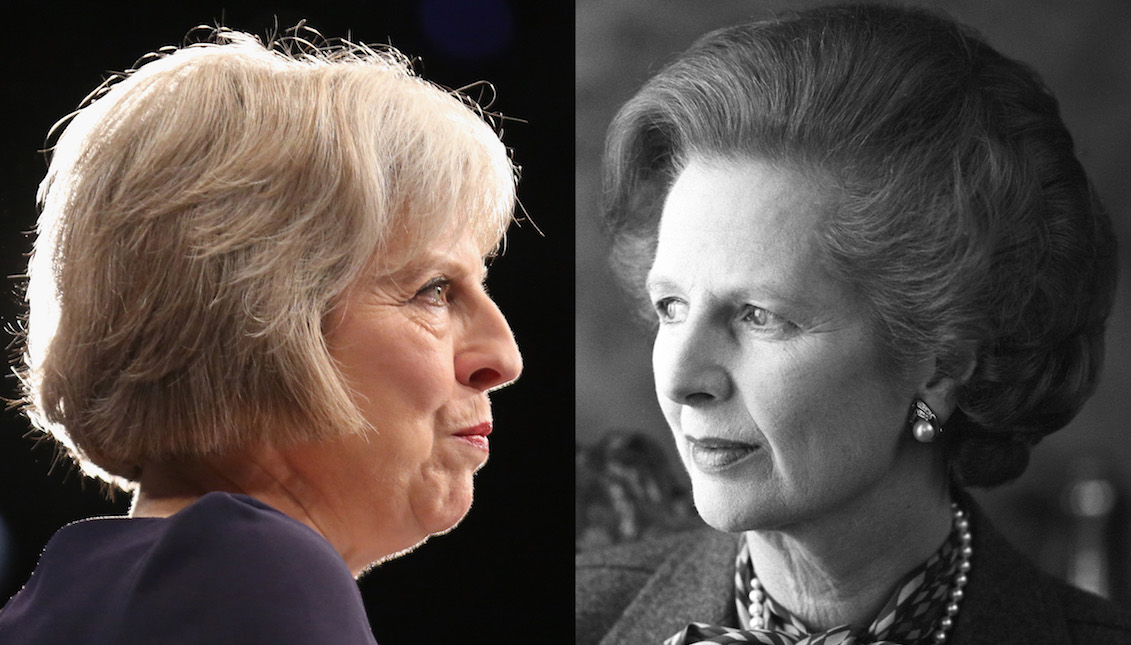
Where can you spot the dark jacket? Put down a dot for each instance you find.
(227, 569)
(641, 594)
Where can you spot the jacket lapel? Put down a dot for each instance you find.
(694, 584)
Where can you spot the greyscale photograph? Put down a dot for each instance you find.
(852, 353)
(297, 298)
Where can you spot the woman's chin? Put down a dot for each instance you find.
(727, 520)
(448, 510)
(730, 511)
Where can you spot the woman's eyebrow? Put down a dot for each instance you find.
(440, 263)
(658, 283)
(754, 290)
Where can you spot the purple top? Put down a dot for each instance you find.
(226, 569)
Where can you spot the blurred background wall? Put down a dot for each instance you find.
(1083, 52)
(475, 583)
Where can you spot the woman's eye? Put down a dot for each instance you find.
(764, 319)
(435, 292)
(670, 310)
(755, 316)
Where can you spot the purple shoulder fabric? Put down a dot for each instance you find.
(227, 569)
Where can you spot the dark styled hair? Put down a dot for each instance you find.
(961, 215)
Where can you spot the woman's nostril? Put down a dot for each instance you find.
(485, 378)
(698, 398)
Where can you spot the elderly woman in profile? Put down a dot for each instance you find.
(257, 300)
(880, 276)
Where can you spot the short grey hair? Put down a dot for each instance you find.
(201, 216)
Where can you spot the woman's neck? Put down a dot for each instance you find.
(843, 568)
(264, 472)
(165, 488)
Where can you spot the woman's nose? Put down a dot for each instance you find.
(488, 358)
(689, 363)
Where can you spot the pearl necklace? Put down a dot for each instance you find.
(965, 550)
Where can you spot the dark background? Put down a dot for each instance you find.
(504, 570)
(1083, 52)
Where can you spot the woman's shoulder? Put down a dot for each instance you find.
(645, 555)
(643, 585)
(606, 579)
(1010, 600)
(243, 564)
(244, 529)
(1091, 619)
(225, 567)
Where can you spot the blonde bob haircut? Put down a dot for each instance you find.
(203, 214)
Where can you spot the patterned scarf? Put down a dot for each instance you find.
(908, 617)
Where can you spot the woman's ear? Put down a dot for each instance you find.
(940, 389)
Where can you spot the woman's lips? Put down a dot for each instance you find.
(711, 455)
(476, 435)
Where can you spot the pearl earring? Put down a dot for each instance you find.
(925, 425)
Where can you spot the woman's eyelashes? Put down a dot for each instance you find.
(748, 317)
(763, 320)
(670, 310)
(435, 292)
(445, 289)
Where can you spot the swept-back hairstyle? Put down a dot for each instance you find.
(201, 216)
(959, 212)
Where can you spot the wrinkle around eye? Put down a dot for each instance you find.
(760, 320)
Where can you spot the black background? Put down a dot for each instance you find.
(506, 570)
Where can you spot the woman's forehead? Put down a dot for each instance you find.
(747, 208)
(460, 244)
(740, 226)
